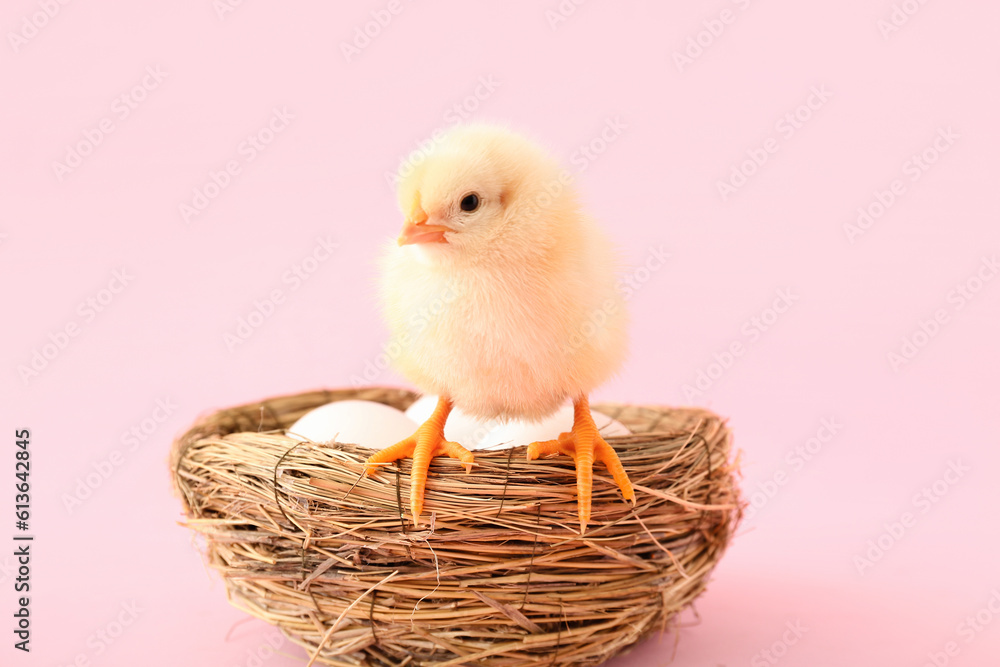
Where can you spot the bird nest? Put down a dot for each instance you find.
(497, 574)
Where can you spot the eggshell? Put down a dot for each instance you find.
(608, 427)
(364, 423)
(517, 433)
(474, 434)
(462, 428)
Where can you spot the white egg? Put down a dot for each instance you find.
(421, 408)
(609, 428)
(364, 423)
(462, 428)
(517, 433)
(473, 433)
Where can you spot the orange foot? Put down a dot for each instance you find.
(423, 445)
(585, 444)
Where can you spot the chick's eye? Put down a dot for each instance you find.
(470, 202)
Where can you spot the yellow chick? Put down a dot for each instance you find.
(500, 295)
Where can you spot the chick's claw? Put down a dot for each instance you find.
(606, 454)
(564, 445)
(455, 451)
(585, 445)
(400, 450)
(422, 446)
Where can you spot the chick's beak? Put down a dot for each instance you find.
(417, 230)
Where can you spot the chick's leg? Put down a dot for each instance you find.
(585, 444)
(423, 445)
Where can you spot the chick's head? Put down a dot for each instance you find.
(481, 189)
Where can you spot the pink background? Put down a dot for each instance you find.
(162, 337)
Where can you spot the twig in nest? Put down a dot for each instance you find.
(336, 624)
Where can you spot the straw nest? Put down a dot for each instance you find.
(496, 575)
